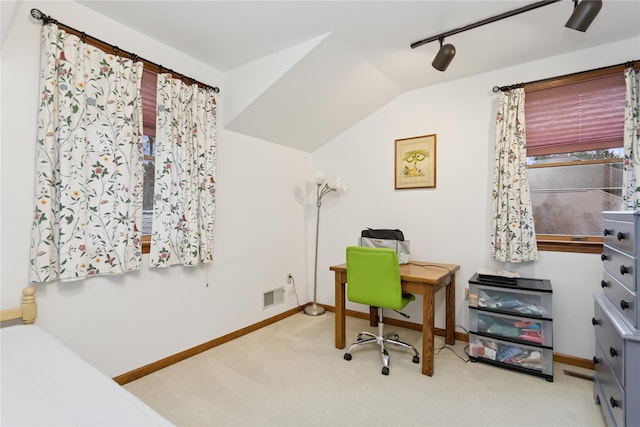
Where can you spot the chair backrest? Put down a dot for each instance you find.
(373, 277)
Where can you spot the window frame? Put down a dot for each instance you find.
(149, 130)
(567, 242)
(146, 238)
(559, 242)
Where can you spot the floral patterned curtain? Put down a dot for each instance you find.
(513, 237)
(631, 168)
(184, 199)
(88, 184)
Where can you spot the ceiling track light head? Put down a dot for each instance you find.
(444, 56)
(583, 14)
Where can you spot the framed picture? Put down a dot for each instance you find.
(416, 162)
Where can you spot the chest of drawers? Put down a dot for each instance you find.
(616, 320)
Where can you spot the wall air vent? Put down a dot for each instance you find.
(273, 297)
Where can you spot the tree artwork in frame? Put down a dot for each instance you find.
(416, 162)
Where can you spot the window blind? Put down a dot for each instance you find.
(148, 93)
(579, 116)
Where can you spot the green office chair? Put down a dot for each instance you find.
(373, 278)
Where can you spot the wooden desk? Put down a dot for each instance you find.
(418, 277)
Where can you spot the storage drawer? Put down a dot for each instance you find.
(611, 342)
(620, 235)
(510, 301)
(613, 393)
(620, 266)
(601, 400)
(509, 354)
(622, 298)
(522, 329)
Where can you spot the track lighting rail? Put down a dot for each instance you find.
(584, 12)
(484, 22)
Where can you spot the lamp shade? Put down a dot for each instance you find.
(339, 185)
(584, 14)
(321, 177)
(444, 57)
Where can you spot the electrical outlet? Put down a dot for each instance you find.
(289, 278)
(466, 294)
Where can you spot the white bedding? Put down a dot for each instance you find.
(45, 384)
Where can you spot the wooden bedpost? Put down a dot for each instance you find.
(28, 310)
(29, 305)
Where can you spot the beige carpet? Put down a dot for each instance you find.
(290, 374)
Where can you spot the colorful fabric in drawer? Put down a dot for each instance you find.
(508, 302)
(509, 354)
(510, 328)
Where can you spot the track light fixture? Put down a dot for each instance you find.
(444, 57)
(583, 14)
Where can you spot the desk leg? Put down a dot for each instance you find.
(427, 331)
(451, 312)
(340, 311)
(373, 316)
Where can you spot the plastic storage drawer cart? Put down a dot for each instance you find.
(511, 324)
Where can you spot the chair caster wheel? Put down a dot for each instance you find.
(347, 356)
(416, 359)
(385, 371)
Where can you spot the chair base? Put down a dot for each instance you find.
(382, 340)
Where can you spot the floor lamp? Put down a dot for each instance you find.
(322, 189)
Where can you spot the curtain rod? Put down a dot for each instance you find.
(46, 19)
(497, 89)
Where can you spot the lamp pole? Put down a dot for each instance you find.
(315, 309)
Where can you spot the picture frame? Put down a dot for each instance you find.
(415, 162)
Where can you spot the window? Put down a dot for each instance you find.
(574, 131)
(148, 90)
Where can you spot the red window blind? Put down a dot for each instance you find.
(148, 93)
(579, 116)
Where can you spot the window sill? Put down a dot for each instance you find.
(578, 246)
(146, 243)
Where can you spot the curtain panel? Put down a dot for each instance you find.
(184, 195)
(88, 183)
(513, 236)
(631, 165)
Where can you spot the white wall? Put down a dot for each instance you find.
(451, 222)
(264, 224)
(122, 323)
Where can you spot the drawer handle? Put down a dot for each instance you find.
(614, 403)
(595, 321)
(624, 304)
(613, 352)
(608, 232)
(621, 235)
(604, 284)
(604, 257)
(595, 360)
(624, 270)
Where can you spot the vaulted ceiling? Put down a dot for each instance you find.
(309, 70)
